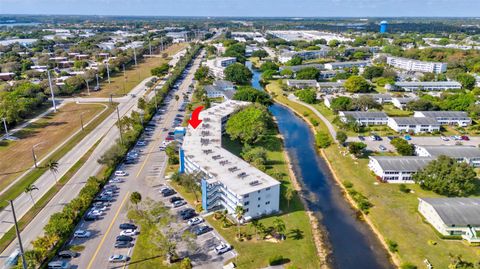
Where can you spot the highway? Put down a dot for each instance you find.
(146, 176)
(106, 132)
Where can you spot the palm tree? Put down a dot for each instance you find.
(255, 224)
(279, 226)
(135, 198)
(177, 97)
(52, 165)
(239, 212)
(29, 189)
(289, 195)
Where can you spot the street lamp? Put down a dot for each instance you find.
(51, 91)
(33, 154)
(88, 87)
(5, 126)
(81, 120)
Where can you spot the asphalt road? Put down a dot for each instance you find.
(146, 177)
(106, 133)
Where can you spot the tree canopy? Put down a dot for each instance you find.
(357, 84)
(446, 176)
(250, 94)
(308, 73)
(308, 96)
(403, 147)
(248, 124)
(238, 73)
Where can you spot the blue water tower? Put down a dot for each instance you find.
(383, 26)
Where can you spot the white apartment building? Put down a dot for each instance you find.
(217, 66)
(467, 154)
(301, 83)
(411, 86)
(228, 181)
(401, 102)
(459, 118)
(453, 216)
(414, 125)
(342, 65)
(365, 118)
(415, 65)
(286, 56)
(397, 169)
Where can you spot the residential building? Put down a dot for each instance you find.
(342, 65)
(378, 97)
(227, 181)
(301, 83)
(286, 56)
(453, 216)
(330, 87)
(364, 117)
(459, 118)
(413, 125)
(467, 154)
(417, 66)
(217, 66)
(296, 68)
(401, 102)
(5, 76)
(411, 86)
(397, 169)
(220, 88)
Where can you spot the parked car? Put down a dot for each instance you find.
(175, 198)
(382, 147)
(82, 234)
(407, 137)
(141, 143)
(195, 221)
(118, 258)
(124, 238)
(222, 248)
(361, 138)
(444, 138)
(123, 244)
(178, 203)
(68, 254)
(129, 232)
(199, 230)
(116, 180)
(127, 226)
(149, 129)
(120, 173)
(169, 138)
(464, 137)
(167, 192)
(90, 217)
(59, 265)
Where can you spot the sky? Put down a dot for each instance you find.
(252, 8)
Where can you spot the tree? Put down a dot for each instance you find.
(160, 70)
(177, 97)
(279, 226)
(421, 105)
(260, 54)
(446, 176)
(341, 137)
(255, 224)
(342, 103)
(250, 94)
(333, 43)
(236, 50)
(186, 263)
(308, 96)
(135, 198)
(403, 147)
(365, 102)
(294, 61)
(29, 189)
(256, 156)
(468, 81)
(190, 182)
(238, 73)
(171, 152)
(357, 84)
(356, 148)
(269, 65)
(239, 212)
(52, 165)
(289, 193)
(248, 124)
(322, 139)
(371, 72)
(308, 73)
(286, 72)
(202, 73)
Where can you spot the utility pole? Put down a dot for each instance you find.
(5, 126)
(135, 56)
(88, 87)
(119, 126)
(81, 120)
(98, 84)
(108, 73)
(150, 47)
(51, 91)
(18, 236)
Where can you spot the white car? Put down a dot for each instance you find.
(222, 248)
(115, 180)
(444, 138)
(195, 221)
(129, 232)
(179, 203)
(82, 234)
(141, 143)
(120, 173)
(95, 212)
(118, 258)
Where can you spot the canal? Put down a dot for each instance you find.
(352, 242)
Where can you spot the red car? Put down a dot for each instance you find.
(464, 137)
(169, 138)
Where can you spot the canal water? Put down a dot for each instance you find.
(352, 242)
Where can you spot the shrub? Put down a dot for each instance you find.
(347, 184)
(314, 122)
(408, 265)
(392, 245)
(403, 188)
(322, 139)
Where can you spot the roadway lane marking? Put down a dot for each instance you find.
(108, 231)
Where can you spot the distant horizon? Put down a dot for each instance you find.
(247, 8)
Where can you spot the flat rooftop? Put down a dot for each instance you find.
(203, 146)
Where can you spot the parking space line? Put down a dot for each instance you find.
(108, 231)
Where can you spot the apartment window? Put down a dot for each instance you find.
(267, 189)
(246, 203)
(246, 210)
(267, 203)
(258, 205)
(246, 196)
(259, 198)
(258, 191)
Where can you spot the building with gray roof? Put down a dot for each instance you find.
(411, 86)
(413, 125)
(453, 216)
(459, 118)
(397, 169)
(364, 117)
(468, 154)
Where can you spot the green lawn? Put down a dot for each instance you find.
(394, 213)
(392, 111)
(299, 249)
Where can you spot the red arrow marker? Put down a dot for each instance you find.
(194, 121)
